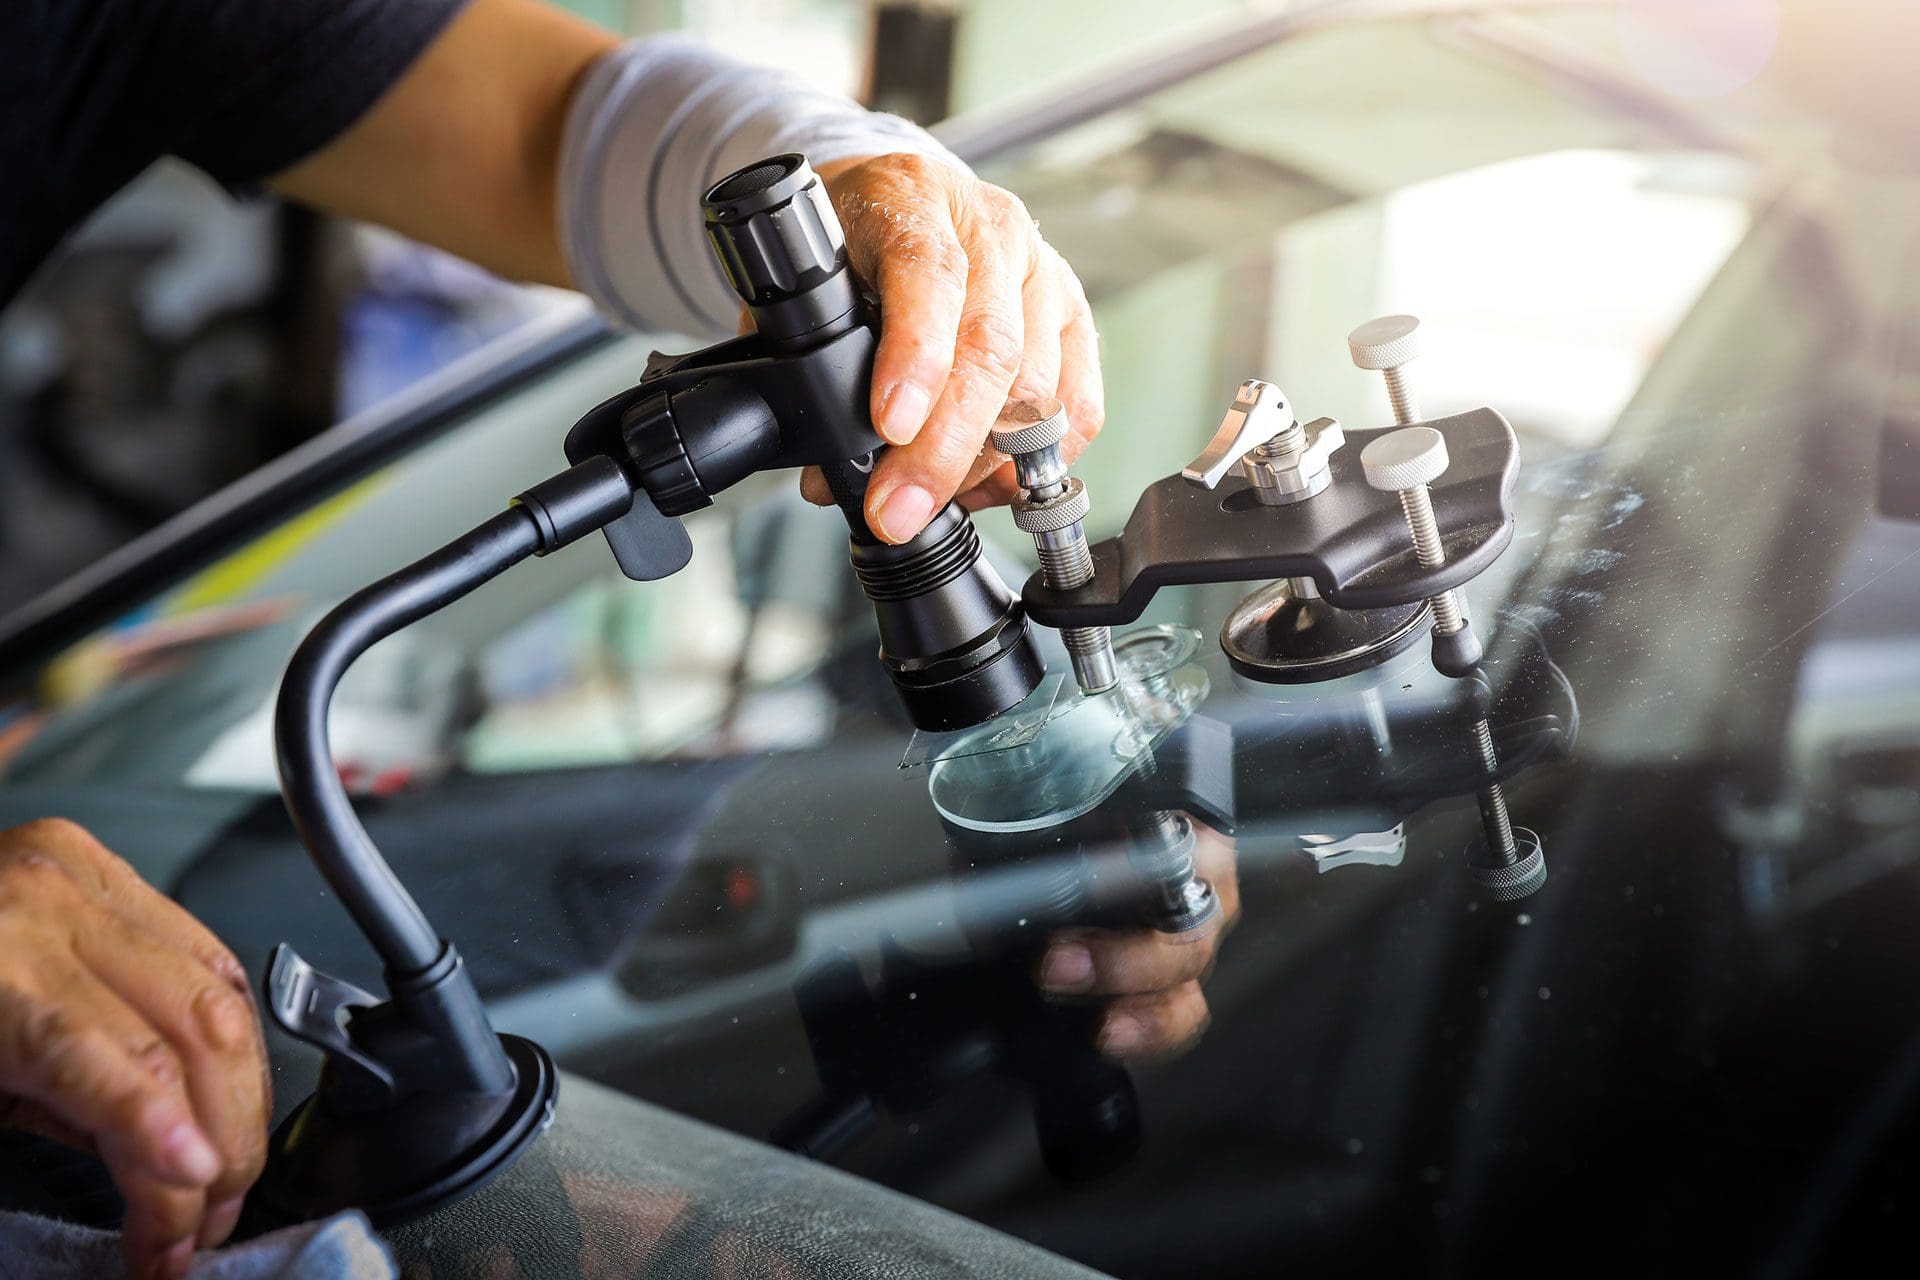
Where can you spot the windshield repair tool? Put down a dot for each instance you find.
(419, 1101)
(794, 393)
(1335, 773)
(1350, 588)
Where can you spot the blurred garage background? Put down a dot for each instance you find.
(182, 339)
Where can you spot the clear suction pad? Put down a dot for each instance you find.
(1014, 727)
(1028, 777)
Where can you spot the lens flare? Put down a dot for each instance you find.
(1699, 48)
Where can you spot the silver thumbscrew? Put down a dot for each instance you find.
(1389, 344)
(1513, 864)
(1406, 462)
(1051, 506)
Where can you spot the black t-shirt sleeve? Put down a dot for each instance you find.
(93, 91)
(242, 88)
(279, 79)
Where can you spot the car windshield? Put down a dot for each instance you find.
(655, 815)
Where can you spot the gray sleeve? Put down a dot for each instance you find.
(654, 124)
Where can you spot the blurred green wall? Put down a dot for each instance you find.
(1008, 47)
(608, 13)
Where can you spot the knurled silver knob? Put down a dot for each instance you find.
(1027, 426)
(1389, 344)
(1385, 343)
(1405, 459)
(1051, 515)
(1406, 462)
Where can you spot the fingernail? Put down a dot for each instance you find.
(175, 1261)
(905, 513)
(1122, 1035)
(218, 1224)
(904, 412)
(191, 1155)
(1068, 967)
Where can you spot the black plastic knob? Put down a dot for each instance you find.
(781, 246)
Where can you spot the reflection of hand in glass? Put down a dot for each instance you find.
(1148, 982)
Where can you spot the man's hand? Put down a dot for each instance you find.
(127, 1029)
(975, 308)
(1149, 982)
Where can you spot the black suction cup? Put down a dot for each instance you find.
(392, 1161)
(1281, 635)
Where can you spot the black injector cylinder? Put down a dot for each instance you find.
(953, 638)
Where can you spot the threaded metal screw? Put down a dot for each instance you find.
(1400, 396)
(1389, 344)
(1162, 851)
(1493, 798)
(1404, 462)
(1512, 864)
(1050, 507)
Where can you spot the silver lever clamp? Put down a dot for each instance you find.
(1258, 414)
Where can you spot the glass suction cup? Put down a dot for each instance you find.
(1086, 747)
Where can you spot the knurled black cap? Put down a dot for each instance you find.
(774, 229)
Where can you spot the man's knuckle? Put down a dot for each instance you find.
(913, 166)
(945, 261)
(993, 340)
(1088, 417)
(1074, 290)
(31, 878)
(1030, 384)
(50, 1043)
(919, 256)
(923, 349)
(224, 1017)
(246, 1157)
(158, 1060)
(1005, 206)
(229, 970)
(54, 831)
(953, 454)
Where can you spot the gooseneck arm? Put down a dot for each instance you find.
(321, 810)
(419, 1100)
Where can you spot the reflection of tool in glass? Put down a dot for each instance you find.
(419, 1102)
(1082, 757)
(933, 1019)
(928, 1025)
(1405, 463)
(1330, 772)
(1509, 863)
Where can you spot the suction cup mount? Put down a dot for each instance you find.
(1285, 633)
(1307, 511)
(391, 1130)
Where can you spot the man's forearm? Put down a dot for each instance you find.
(463, 151)
(545, 149)
(657, 122)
